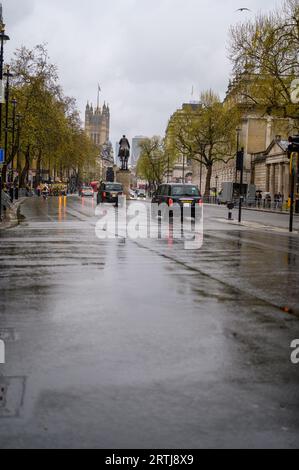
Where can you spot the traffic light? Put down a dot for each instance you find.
(293, 145)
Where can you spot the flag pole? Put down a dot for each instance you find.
(98, 102)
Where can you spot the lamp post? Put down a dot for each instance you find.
(13, 147)
(18, 119)
(240, 166)
(293, 155)
(217, 177)
(8, 75)
(238, 131)
(3, 39)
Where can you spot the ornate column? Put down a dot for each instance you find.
(268, 178)
(272, 181)
(269, 131)
(280, 178)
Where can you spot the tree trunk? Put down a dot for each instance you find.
(208, 180)
(25, 169)
(4, 174)
(38, 169)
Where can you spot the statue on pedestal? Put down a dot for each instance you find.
(124, 152)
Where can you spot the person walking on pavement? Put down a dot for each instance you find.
(45, 192)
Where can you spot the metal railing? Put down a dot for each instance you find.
(264, 204)
(6, 202)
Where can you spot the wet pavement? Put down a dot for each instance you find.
(143, 344)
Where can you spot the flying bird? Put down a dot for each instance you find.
(243, 9)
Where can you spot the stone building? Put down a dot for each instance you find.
(97, 127)
(182, 169)
(257, 132)
(271, 169)
(97, 124)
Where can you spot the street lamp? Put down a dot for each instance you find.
(238, 131)
(18, 119)
(13, 147)
(8, 75)
(3, 39)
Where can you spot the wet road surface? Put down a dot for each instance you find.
(142, 344)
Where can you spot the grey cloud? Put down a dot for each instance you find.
(15, 11)
(147, 54)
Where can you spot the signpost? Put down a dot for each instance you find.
(293, 172)
(293, 154)
(240, 167)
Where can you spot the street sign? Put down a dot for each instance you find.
(2, 156)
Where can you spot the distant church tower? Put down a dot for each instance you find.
(97, 124)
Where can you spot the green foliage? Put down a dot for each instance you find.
(205, 133)
(154, 161)
(264, 53)
(50, 131)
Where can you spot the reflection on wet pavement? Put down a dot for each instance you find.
(143, 344)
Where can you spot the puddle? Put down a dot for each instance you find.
(12, 392)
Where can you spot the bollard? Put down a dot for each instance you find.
(230, 207)
(2, 352)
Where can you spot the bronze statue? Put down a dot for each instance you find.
(124, 152)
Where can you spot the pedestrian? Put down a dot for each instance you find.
(259, 199)
(45, 191)
(268, 201)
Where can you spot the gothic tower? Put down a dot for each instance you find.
(97, 124)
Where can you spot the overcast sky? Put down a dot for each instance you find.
(146, 54)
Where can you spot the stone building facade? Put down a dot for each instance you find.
(182, 170)
(97, 124)
(257, 131)
(97, 127)
(271, 169)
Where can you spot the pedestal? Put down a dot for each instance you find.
(124, 177)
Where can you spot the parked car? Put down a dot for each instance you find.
(184, 195)
(109, 192)
(86, 191)
(133, 195)
(141, 194)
